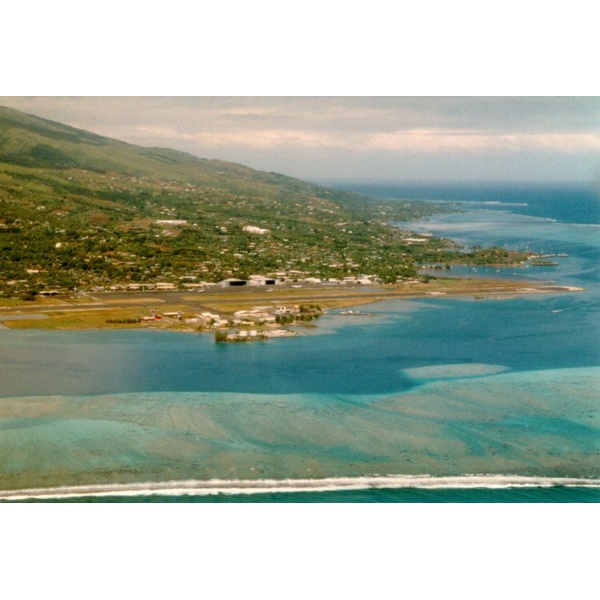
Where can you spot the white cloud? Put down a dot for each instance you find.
(472, 141)
(414, 140)
(305, 135)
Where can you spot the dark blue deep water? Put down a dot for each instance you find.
(568, 203)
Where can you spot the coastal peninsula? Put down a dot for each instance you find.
(229, 310)
(97, 233)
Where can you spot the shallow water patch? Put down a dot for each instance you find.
(451, 371)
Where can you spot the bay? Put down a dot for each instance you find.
(435, 386)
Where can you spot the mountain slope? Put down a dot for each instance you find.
(27, 140)
(81, 210)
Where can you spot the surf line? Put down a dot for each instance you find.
(263, 486)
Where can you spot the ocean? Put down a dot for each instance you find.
(434, 400)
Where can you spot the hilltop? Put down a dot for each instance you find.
(79, 210)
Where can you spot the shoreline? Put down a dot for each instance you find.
(330, 484)
(95, 311)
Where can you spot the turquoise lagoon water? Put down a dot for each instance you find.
(438, 387)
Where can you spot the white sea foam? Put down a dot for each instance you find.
(497, 203)
(263, 486)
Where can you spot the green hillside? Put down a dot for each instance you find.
(81, 210)
(30, 141)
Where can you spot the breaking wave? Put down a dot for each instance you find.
(332, 484)
(497, 203)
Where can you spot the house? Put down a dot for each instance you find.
(165, 287)
(287, 310)
(193, 286)
(253, 229)
(411, 241)
(256, 280)
(232, 282)
(212, 319)
(173, 222)
(254, 315)
(365, 280)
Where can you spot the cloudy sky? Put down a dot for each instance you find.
(328, 139)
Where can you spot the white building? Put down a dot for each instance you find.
(253, 229)
(232, 282)
(255, 280)
(173, 222)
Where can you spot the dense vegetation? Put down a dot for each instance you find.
(79, 210)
